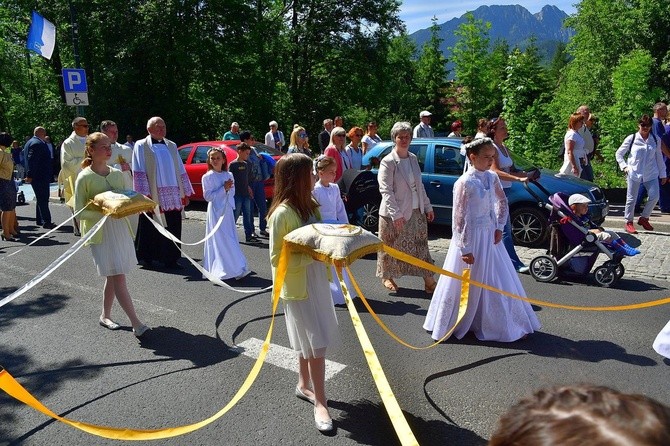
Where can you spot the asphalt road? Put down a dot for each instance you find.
(190, 364)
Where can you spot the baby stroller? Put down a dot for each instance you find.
(360, 192)
(573, 250)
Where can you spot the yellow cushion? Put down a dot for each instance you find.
(336, 244)
(119, 204)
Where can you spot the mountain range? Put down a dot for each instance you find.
(513, 23)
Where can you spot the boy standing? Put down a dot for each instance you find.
(241, 170)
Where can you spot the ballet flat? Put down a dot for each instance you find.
(302, 396)
(111, 325)
(323, 426)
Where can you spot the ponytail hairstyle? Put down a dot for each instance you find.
(92, 140)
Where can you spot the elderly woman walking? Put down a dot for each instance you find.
(404, 212)
(644, 165)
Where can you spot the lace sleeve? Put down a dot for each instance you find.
(460, 227)
(500, 205)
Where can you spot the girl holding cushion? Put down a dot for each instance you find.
(112, 246)
(310, 317)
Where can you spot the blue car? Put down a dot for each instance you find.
(442, 163)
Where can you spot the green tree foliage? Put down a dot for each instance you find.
(203, 64)
(431, 76)
(609, 35)
(631, 99)
(469, 56)
(524, 103)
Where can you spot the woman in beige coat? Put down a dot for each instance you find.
(404, 212)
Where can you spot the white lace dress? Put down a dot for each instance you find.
(480, 207)
(332, 211)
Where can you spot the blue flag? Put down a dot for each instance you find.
(41, 36)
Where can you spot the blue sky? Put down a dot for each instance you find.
(417, 13)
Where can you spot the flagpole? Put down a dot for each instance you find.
(75, 45)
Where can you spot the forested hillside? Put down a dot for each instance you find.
(203, 64)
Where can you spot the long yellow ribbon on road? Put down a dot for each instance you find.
(14, 389)
(17, 391)
(429, 266)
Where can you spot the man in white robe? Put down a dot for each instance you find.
(159, 173)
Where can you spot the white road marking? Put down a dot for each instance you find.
(283, 357)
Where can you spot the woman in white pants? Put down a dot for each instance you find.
(643, 165)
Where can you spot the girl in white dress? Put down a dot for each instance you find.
(308, 309)
(327, 194)
(112, 246)
(223, 256)
(479, 215)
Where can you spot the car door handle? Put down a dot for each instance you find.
(436, 183)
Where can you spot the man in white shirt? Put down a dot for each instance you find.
(423, 129)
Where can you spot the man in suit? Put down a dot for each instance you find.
(39, 174)
(324, 136)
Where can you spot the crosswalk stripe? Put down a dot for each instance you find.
(283, 357)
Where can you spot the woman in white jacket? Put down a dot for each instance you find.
(643, 165)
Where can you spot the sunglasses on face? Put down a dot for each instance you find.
(302, 135)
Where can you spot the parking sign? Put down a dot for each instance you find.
(75, 86)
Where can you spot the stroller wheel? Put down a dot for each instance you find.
(543, 268)
(606, 275)
(619, 270)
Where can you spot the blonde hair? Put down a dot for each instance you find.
(92, 140)
(293, 140)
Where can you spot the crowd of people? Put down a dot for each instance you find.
(306, 192)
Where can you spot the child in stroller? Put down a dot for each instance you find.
(579, 204)
(576, 242)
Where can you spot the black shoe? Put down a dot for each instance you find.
(252, 239)
(264, 233)
(48, 225)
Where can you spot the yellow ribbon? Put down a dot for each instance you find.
(17, 391)
(429, 266)
(402, 429)
(405, 435)
(462, 306)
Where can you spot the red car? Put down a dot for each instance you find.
(194, 157)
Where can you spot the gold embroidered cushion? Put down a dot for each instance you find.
(336, 244)
(119, 204)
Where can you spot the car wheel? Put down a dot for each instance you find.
(367, 216)
(529, 227)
